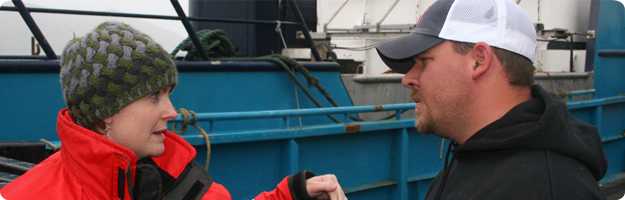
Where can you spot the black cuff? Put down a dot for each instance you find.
(297, 185)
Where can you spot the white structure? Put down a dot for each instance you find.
(359, 24)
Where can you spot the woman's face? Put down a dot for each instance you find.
(140, 125)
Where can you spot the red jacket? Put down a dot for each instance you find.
(88, 166)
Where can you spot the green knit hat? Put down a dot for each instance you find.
(109, 68)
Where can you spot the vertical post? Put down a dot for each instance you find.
(402, 177)
(286, 122)
(293, 153)
(591, 41)
(306, 31)
(298, 104)
(35, 49)
(599, 118)
(189, 28)
(571, 43)
(34, 29)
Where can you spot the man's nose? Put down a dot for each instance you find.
(409, 82)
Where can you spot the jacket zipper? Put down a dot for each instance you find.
(121, 179)
(446, 169)
(124, 177)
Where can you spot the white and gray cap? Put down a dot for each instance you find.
(499, 23)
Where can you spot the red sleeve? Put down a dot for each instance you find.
(217, 192)
(281, 192)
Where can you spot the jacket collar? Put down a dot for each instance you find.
(94, 160)
(97, 162)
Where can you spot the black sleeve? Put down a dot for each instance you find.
(297, 185)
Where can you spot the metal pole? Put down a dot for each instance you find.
(133, 15)
(325, 26)
(189, 28)
(571, 43)
(297, 11)
(34, 29)
(377, 26)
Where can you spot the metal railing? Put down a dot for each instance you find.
(288, 131)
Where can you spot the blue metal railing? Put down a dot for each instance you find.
(299, 131)
(596, 102)
(300, 112)
(576, 93)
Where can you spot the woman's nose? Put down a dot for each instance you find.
(170, 110)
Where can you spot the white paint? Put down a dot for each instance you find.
(559, 61)
(374, 64)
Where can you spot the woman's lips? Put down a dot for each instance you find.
(158, 132)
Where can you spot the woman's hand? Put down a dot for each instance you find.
(325, 187)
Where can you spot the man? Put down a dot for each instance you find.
(469, 67)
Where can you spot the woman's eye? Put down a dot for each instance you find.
(155, 97)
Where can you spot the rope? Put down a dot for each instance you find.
(218, 45)
(215, 42)
(287, 65)
(290, 65)
(312, 80)
(189, 118)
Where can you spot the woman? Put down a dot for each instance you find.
(116, 82)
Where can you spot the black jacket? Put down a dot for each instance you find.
(535, 151)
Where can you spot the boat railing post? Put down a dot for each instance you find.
(306, 31)
(189, 28)
(34, 29)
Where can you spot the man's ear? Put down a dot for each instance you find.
(481, 55)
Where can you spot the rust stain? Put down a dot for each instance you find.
(378, 108)
(352, 128)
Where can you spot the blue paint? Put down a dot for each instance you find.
(610, 31)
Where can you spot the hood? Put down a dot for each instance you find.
(542, 123)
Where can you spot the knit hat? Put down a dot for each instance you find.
(109, 68)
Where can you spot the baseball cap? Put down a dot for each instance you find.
(499, 23)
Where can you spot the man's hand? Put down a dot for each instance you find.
(325, 187)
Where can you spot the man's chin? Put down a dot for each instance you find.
(423, 127)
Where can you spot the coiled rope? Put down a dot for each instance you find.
(189, 119)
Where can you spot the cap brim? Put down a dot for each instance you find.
(398, 53)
